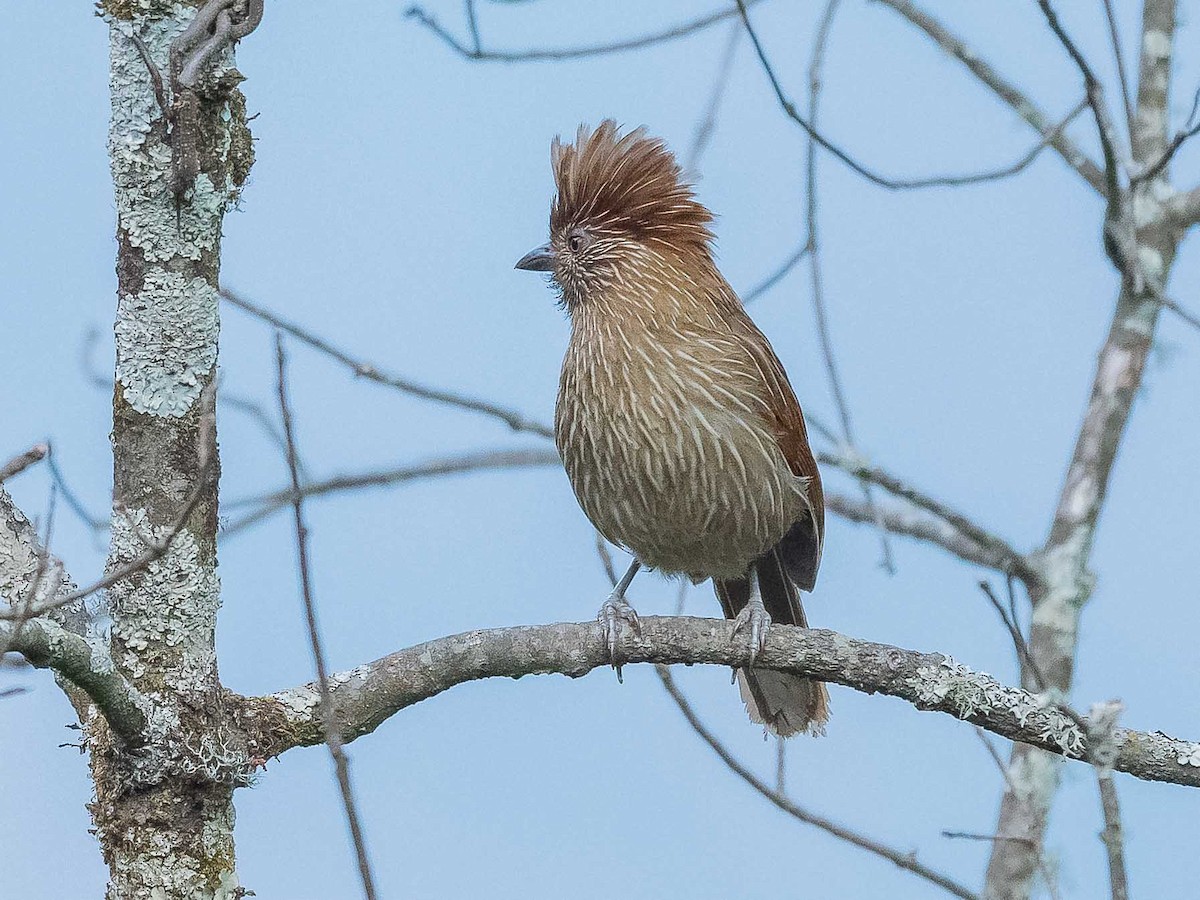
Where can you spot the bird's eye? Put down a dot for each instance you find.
(575, 241)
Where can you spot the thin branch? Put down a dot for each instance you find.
(365, 697)
(974, 836)
(329, 725)
(816, 280)
(1002, 88)
(560, 53)
(779, 274)
(1167, 303)
(1031, 846)
(1114, 35)
(1050, 136)
(265, 505)
(473, 26)
(995, 545)
(904, 860)
(513, 419)
(155, 548)
(1190, 129)
(23, 461)
(46, 644)
(918, 525)
(74, 503)
(1103, 749)
(1095, 98)
(707, 125)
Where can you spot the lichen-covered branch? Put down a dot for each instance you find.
(85, 664)
(24, 567)
(164, 816)
(365, 697)
(1066, 584)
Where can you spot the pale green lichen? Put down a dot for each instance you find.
(1187, 753)
(953, 686)
(149, 214)
(166, 337)
(170, 609)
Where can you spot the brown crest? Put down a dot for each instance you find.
(628, 184)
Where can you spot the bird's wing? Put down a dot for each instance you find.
(801, 547)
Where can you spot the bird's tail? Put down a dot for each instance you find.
(785, 704)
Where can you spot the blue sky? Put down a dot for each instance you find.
(395, 186)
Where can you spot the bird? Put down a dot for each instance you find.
(679, 431)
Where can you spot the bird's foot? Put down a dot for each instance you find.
(613, 616)
(755, 619)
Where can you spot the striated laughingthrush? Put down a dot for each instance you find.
(675, 420)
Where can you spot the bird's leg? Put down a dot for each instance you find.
(616, 612)
(754, 616)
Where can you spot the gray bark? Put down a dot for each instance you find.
(164, 815)
(1067, 583)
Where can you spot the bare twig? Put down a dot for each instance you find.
(1102, 744)
(1114, 35)
(1050, 134)
(904, 860)
(974, 836)
(513, 419)
(816, 280)
(473, 26)
(919, 525)
(1183, 209)
(560, 53)
(1020, 103)
(74, 503)
(329, 724)
(1190, 129)
(961, 523)
(155, 548)
(708, 123)
(779, 274)
(23, 461)
(265, 505)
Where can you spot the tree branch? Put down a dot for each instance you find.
(1049, 136)
(23, 461)
(23, 563)
(959, 527)
(913, 523)
(512, 418)
(816, 279)
(47, 645)
(365, 697)
(329, 729)
(266, 505)
(905, 860)
(1002, 88)
(1183, 209)
(476, 53)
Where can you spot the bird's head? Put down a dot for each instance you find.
(621, 214)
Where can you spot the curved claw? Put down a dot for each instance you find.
(755, 618)
(614, 614)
